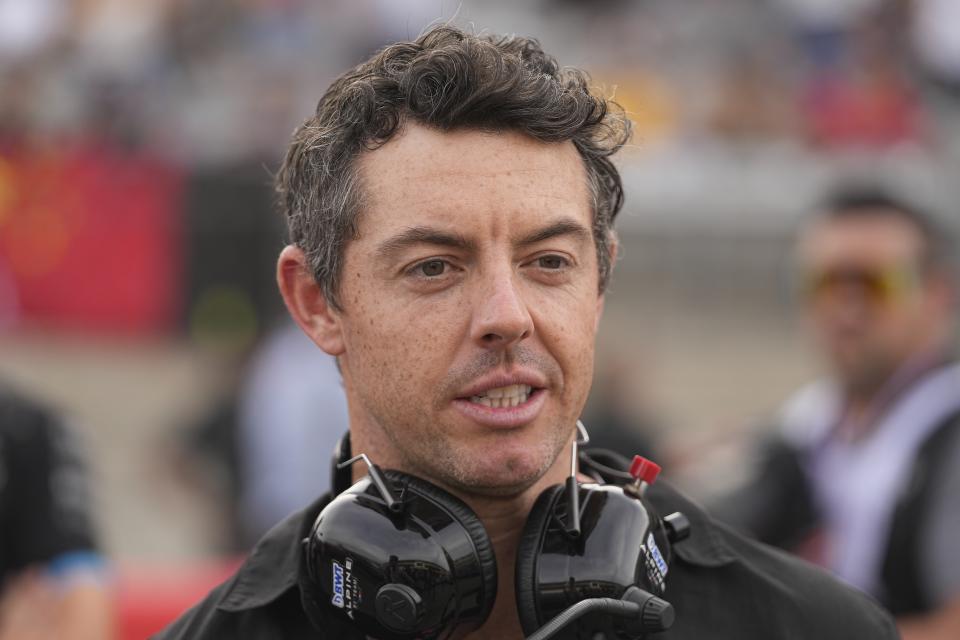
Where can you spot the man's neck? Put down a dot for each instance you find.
(505, 526)
(503, 518)
(504, 523)
(865, 406)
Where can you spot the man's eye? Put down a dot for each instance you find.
(552, 262)
(431, 268)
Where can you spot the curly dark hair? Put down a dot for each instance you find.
(446, 79)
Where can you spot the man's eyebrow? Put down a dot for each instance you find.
(558, 228)
(422, 235)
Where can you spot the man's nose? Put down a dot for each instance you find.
(501, 318)
(848, 305)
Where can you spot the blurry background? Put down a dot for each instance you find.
(138, 239)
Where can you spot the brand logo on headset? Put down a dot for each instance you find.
(337, 598)
(657, 556)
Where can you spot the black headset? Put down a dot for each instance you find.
(402, 559)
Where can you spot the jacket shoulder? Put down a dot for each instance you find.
(724, 585)
(767, 593)
(260, 600)
(282, 618)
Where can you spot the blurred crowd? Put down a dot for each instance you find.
(218, 82)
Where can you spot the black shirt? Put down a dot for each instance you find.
(721, 585)
(44, 496)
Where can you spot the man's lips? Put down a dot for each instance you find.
(503, 400)
(482, 385)
(505, 417)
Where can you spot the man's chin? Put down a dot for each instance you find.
(510, 478)
(501, 464)
(489, 488)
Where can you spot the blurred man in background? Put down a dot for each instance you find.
(864, 471)
(291, 412)
(51, 575)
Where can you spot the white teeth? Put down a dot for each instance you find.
(509, 396)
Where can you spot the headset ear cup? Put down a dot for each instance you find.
(311, 595)
(528, 553)
(471, 524)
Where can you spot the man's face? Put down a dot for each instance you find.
(470, 305)
(868, 301)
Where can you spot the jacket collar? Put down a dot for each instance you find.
(274, 564)
(705, 546)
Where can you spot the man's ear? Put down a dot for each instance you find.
(306, 303)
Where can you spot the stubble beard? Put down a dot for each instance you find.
(865, 377)
(443, 461)
(435, 455)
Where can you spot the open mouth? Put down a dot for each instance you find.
(504, 407)
(509, 396)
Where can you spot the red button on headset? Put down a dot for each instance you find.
(644, 470)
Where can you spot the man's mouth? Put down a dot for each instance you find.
(508, 396)
(516, 402)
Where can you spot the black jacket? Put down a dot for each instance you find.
(45, 505)
(722, 586)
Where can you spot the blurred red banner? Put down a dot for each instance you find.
(90, 238)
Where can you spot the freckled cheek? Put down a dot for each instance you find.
(403, 349)
(569, 333)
